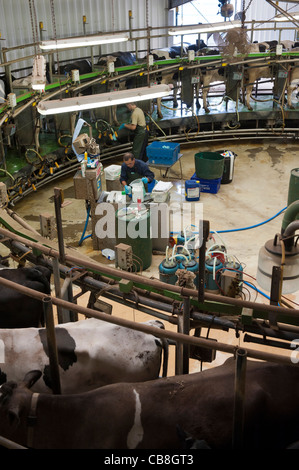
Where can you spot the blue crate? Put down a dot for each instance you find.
(208, 186)
(163, 153)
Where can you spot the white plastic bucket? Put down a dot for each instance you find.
(112, 172)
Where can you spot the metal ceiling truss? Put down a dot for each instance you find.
(283, 12)
(176, 3)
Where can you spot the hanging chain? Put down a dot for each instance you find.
(33, 19)
(244, 10)
(55, 34)
(148, 40)
(112, 7)
(31, 8)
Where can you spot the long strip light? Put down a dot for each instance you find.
(83, 41)
(102, 100)
(204, 28)
(285, 18)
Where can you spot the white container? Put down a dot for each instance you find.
(160, 196)
(138, 188)
(112, 172)
(137, 193)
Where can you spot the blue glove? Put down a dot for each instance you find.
(121, 127)
(128, 189)
(144, 180)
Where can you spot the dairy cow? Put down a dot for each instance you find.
(148, 415)
(292, 84)
(18, 310)
(91, 353)
(120, 59)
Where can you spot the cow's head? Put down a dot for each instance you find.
(15, 398)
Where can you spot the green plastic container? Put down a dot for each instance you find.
(135, 230)
(209, 165)
(293, 194)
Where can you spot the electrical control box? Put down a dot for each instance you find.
(230, 283)
(195, 79)
(47, 225)
(279, 49)
(123, 257)
(12, 100)
(150, 60)
(191, 55)
(89, 187)
(111, 67)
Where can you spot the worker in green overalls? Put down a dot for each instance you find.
(138, 127)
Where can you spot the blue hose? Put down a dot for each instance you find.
(244, 228)
(85, 227)
(255, 288)
(252, 226)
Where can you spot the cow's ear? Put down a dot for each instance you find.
(31, 377)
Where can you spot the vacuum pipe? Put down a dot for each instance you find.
(159, 285)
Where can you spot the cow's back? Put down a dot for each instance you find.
(91, 353)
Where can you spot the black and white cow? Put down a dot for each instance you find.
(147, 415)
(292, 84)
(18, 310)
(167, 53)
(120, 59)
(84, 66)
(91, 353)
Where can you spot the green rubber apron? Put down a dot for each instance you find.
(135, 176)
(139, 135)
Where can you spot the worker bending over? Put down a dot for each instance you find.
(133, 169)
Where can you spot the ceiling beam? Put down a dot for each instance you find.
(282, 11)
(176, 3)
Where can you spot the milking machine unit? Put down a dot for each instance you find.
(223, 274)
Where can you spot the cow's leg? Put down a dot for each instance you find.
(205, 91)
(249, 89)
(114, 115)
(175, 100)
(197, 103)
(159, 112)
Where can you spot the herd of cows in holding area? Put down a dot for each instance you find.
(111, 394)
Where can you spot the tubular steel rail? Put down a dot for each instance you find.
(181, 339)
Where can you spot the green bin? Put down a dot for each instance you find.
(209, 165)
(293, 194)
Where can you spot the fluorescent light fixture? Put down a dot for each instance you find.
(83, 41)
(204, 28)
(294, 15)
(102, 100)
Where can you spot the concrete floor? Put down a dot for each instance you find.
(259, 190)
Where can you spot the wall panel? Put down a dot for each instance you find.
(16, 28)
